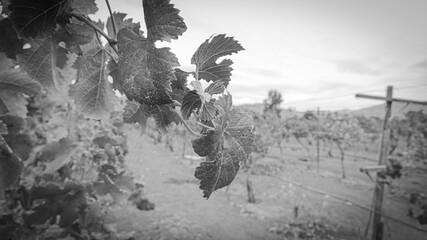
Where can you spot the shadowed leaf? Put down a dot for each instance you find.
(32, 18)
(3, 128)
(190, 103)
(55, 155)
(21, 144)
(179, 86)
(74, 35)
(9, 42)
(10, 169)
(136, 113)
(13, 123)
(164, 116)
(13, 103)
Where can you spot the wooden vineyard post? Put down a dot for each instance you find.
(377, 227)
(317, 139)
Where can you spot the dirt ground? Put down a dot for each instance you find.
(282, 211)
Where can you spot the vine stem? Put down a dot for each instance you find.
(5, 147)
(206, 126)
(112, 20)
(111, 41)
(186, 125)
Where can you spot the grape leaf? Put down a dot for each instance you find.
(9, 42)
(208, 53)
(113, 72)
(190, 103)
(66, 75)
(208, 111)
(75, 34)
(66, 201)
(32, 18)
(13, 102)
(204, 96)
(21, 144)
(3, 128)
(225, 147)
(181, 80)
(146, 72)
(10, 169)
(92, 92)
(84, 7)
(179, 86)
(215, 88)
(40, 61)
(14, 82)
(164, 116)
(5, 4)
(162, 20)
(135, 113)
(55, 155)
(119, 19)
(198, 100)
(14, 124)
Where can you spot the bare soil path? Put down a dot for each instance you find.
(181, 212)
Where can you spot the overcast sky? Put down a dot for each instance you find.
(316, 53)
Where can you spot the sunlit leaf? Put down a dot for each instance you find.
(14, 83)
(146, 72)
(225, 147)
(39, 61)
(84, 7)
(92, 92)
(208, 53)
(121, 22)
(162, 20)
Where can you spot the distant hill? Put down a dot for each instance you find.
(259, 108)
(256, 107)
(397, 110)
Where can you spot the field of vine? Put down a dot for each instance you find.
(104, 136)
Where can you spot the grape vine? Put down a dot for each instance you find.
(61, 117)
(54, 49)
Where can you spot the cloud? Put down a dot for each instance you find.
(421, 64)
(263, 72)
(355, 66)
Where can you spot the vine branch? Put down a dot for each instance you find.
(111, 41)
(112, 20)
(186, 125)
(6, 148)
(206, 126)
